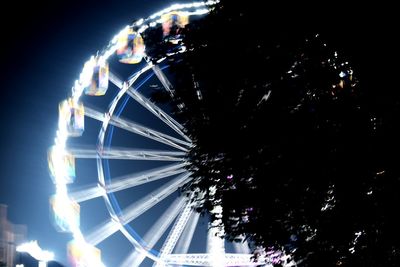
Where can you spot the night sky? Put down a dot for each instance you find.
(43, 49)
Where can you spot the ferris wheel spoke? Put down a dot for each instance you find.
(127, 154)
(139, 129)
(87, 193)
(141, 206)
(115, 80)
(119, 83)
(186, 238)
(134, 259)
(109, 227)
(173, 124)
(163, 79)
(102, 231)
(125, 182)
(175, 232)
(138, 246)
(155, 232)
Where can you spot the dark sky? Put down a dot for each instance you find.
(43, 48)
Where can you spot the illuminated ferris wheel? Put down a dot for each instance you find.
(138, 188)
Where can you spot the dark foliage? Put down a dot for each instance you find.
(302, 154)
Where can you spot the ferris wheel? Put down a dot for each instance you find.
(130, 155)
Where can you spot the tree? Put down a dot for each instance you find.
(297, 150)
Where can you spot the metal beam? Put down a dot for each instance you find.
(163, 79)
(139, 129)
(106, 229)
(175, 232)
(173, 124)
(127, 154)
(229, 259)
(127, 181)
(185, 240)
(154, 234)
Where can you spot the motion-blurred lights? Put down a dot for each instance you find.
(62, 166)
(33, 249)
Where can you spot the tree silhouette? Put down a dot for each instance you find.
(299, 154)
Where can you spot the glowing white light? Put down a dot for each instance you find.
(84, 254)
(139, 22)
(198, 12)
(212, 189)
(33, 249)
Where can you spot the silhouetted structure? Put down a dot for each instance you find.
(11, 235)
(26, 260)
